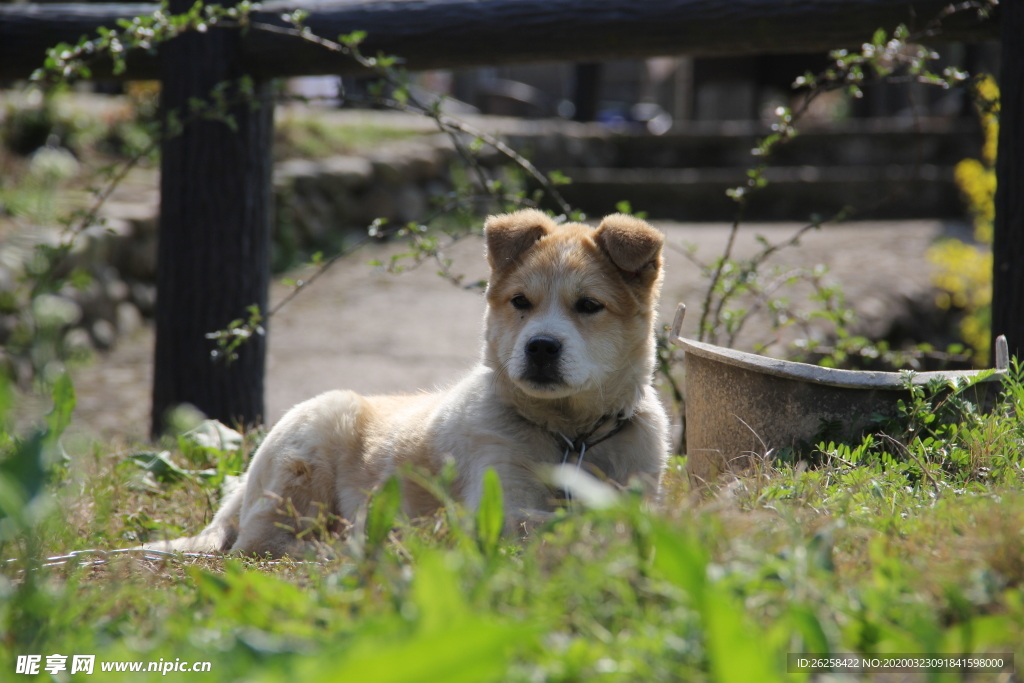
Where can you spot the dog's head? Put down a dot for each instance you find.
(571, 308)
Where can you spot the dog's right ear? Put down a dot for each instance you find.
(510, 235)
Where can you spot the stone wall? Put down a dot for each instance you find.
(320, 205)
(323, 204)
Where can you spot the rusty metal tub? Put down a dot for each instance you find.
(741, 406)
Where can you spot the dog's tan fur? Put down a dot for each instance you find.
(334, 449)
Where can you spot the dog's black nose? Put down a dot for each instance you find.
(541, 349)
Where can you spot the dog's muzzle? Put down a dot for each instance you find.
(542, 360)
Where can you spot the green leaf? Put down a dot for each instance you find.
(24, 474)
(59, 418)
(435, 590)
(6, 399)
(160, 465)
(559, 178)
(490, 516)
(681, 559)
(471, 652)
(13, 500)
(738, 649)
(381, 516)
(807, 623)
(352, 39)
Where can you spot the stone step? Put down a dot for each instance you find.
(794, 192)
(871, 142)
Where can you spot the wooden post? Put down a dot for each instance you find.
(214, 234)
(587, 91)
(1008, 245)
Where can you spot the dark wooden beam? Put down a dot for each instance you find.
(1008, 245)
(460, 33)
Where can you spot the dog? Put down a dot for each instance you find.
(565, 377)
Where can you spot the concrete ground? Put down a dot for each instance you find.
(374, 332)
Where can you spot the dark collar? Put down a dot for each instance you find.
(588, 440)
(584, 442)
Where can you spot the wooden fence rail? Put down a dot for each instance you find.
(431, 34)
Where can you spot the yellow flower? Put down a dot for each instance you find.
(964, 271)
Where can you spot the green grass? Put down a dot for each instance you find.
(916, 548)
(310, 137)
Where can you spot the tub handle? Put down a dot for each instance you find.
(677, 323)
(1002, 353)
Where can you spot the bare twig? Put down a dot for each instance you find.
(446, 123)
(706, 307)
(389, 232)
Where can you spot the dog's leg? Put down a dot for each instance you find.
(266, 530)
(301, 472)
(290, 501)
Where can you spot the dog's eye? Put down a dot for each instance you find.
(587, 305)
(521, 302)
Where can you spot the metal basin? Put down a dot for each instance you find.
(741, 407)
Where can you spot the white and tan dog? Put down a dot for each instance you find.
(568, 358)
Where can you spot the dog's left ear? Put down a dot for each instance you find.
(631, 244)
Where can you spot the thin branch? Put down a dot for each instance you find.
(363, 241)
(706, 307)
(762, 298)
(446, 123)
(90, 216)
(688, 254)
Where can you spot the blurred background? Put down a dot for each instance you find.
(664, 137)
